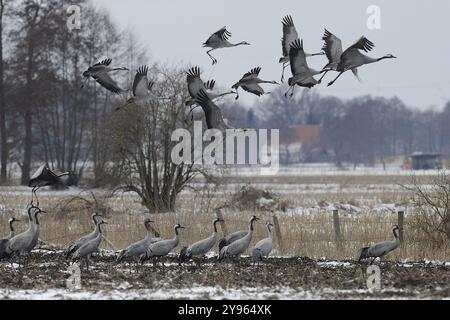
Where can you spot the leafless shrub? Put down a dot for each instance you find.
(251, 198)
(81, 204)
(432, 206)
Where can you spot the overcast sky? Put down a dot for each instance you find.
(417, 32)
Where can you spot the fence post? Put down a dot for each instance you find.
(276, 224)
(223, 225)
(401, 219)
(337, 229)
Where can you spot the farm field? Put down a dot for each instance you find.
(307, 264)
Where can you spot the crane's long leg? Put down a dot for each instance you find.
(291, 88)
(37, 199)
(32, 196)
(224, 94)
(190, 113)
(332, 82)
(214, 60)
(285, 65)
(324, 74)
(372, 261)
(84, 83)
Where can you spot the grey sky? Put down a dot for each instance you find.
(417, 32)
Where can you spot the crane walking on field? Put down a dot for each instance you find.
(86, 250)
(202, 247)
(263, 248)
(163, 247)
(139, 248)
(379, 250)
(238, 247)
(4, 242)
(73, 247)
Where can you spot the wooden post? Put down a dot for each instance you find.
(401, 218)
(337, 229)
(223, 225)
(276, 224)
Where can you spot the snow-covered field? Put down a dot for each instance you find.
(46, 275)
(367, 199)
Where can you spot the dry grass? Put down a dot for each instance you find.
(303, 235)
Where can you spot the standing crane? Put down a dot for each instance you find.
(263, 247)
(163, 247)
(352, 58)
(379, 250)
(289, 36)
(23, 243)
(139, 248)
(89, 247)
(250, 83)
(4, 242)
(202, 247)
(238, 247)
(218, 40)
(74, 246)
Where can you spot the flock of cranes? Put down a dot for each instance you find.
(232, 246)
(294, 55)
(202, 94)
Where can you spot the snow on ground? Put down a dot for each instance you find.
(380, 208)
(329, 169)
(200, 292)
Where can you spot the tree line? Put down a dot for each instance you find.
(46, 117)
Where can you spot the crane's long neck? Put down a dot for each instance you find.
(269, 230)
(250, 227)
(237, 44)
(176, 240)
(94, 220)
(63, 174)
(30, 219)
(149, 232)
(396, 238)
(11, 228)
(99, 228)
(265, 81)
(215, 226)
(315, 72)
(370, 60)
(36, 220)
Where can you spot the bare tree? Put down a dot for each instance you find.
(3, 136)
(141, 135)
